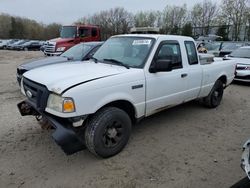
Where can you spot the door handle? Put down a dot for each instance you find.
(184, 75)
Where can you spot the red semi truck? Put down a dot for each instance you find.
(70, 36)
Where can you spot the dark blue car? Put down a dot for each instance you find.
(79, 52)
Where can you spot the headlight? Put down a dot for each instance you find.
(60, 104)
(60, 49)
(247, 68)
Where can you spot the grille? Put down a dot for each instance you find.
(37, 94)
(242, 67)
(50, 48)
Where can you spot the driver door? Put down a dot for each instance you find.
(166, 89)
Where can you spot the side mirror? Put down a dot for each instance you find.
(161, 65)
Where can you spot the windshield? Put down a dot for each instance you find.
(241, 53)
(21, 42)
(77, 52)
(131, 51)
(231, 46)
(213, 46)
(68, 32)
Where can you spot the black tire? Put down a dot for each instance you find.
(215, 96)
(107, 132)
(26, 49)
(243, 183)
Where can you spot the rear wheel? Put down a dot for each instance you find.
(107, 132)
(26, 49)
(215, 96)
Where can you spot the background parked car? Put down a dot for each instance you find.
(79, 52)
(29, 45)
(17, 45)
(3, 44)
(10, 44)
(228, 47)
(213, 48)
(242, 57)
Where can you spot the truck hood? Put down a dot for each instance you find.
(62, 40)
(42, 62)
(60, 77)
(240, 60)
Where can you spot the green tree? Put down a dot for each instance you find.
(187, 30)
(174, 30)
(222, 31)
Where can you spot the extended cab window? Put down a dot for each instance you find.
(191, 53)
(83, 32)
(94, 32)
(172, 52)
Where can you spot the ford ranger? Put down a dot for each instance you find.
(130, 77)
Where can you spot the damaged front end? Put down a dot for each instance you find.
(69, 138)
(26, 109)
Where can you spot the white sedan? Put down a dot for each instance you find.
(242, 57)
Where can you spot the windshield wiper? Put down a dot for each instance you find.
(95, 60)
(68, 58)
(117, 62)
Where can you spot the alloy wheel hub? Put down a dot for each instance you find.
(112, 132)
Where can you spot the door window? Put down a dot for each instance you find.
(172, 52)
(94, 32)
(83, 32)
(191, 53)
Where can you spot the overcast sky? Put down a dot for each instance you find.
(68, 11)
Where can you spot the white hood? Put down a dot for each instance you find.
(59, 77)
(240, 60)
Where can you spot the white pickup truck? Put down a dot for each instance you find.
(94, 104)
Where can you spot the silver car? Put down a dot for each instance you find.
(242, 57)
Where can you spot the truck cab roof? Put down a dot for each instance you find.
(158, 36)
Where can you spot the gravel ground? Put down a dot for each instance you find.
(188, 146)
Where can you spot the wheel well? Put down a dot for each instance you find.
(126, 106)
(223, 79)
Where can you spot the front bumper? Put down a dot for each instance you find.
(242, 75)
(52, 53)
(65, 135)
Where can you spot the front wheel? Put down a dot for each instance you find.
(215, 96)
(107, 132)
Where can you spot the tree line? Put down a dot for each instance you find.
(22, 28)
(228, 16)
(179, 20)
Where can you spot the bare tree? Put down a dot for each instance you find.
(146, 19)
(174, 18)
(203, 14)
(236, 12)
(112, 22)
